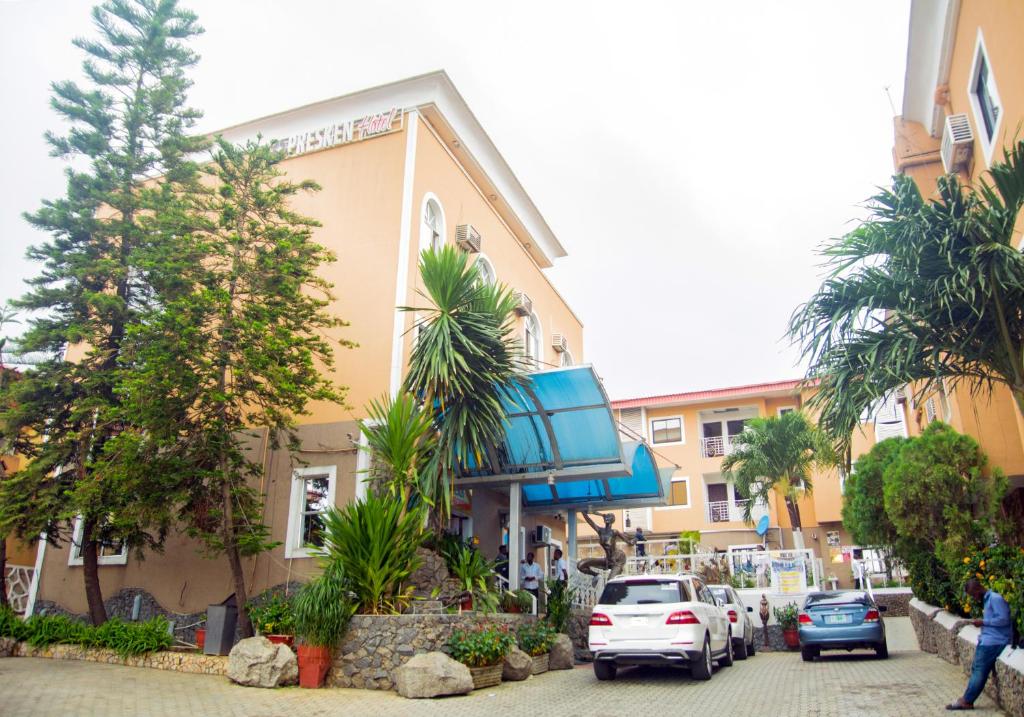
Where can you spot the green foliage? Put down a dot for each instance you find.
(777, 454)
(924, 290)
(520, 600)
(125, 638)
(999, 568)
(323, 609)
(273, 616)
(483, 646)
(560, 597)
(688, 541)
(929, 576)
(863, 498)
(402, 439)
(373, 542)
(448, 545)
(787, 616)
(536, 638)
(475, 575)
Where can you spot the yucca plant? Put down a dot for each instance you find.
(402, 439)
(475, 575)
(373, 541)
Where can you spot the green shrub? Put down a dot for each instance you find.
(12, 626)
(46, 630)
(787, 616)
(475, 575)
(999, 568)
(560, 600)
(125, 638)
(520, 600)
(536, 638)
(323, 608)
(481, 647)
(273, 616)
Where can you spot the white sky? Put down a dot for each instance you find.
(689, 155)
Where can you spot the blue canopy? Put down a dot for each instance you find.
(563, 444)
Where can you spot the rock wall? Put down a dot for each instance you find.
(376, 645)
(955, 640)
(167, 660)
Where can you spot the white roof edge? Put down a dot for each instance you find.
(436, 89)
(931, 33)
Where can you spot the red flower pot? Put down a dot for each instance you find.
(313, 665)
(200, 638)
(288, 640)
(791, 638)
(467, 603)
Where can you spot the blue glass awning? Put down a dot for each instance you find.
(562, 444)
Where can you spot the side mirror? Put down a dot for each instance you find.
(750, 609)
(882, 608)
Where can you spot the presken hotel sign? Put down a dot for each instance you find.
(332, 135)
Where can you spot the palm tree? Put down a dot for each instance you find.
(924, 290)
(465, 369)
(777, 455)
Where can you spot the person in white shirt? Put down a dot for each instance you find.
(561, 566)
(530, 575)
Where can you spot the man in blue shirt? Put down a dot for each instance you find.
(996, 633)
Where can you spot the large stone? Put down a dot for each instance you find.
(8, 646)
(518, 666)
(433, 674)
(562, 653)
(257, 662)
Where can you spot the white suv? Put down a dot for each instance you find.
(739, 615)
(659, 620)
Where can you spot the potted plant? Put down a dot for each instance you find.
(483, 651)
(322, 610)
(519, 601)
(474, 573)
(535, 639)
(200, 638)
(274, 620)
(787, 617)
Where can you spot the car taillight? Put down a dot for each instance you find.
(599, 619)
(682, 617)
(871, 616)
(733, 617)
(805, 618)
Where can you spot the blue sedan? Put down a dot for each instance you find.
(841, 620)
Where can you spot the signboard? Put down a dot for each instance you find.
(832, 537)
(338, 133)
(789, 574)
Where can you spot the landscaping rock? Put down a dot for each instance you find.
(518, 666)
(257, 662)
(561, 654)
(7, 646)
(433, 674)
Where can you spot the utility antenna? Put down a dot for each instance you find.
(892, 105)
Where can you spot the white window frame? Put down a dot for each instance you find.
(689, 495)
(682, 430)
(426, 233)
(482, 259)
(779, 411)
(988, 145)
(292, 547)
(537, 360)
(75, 552)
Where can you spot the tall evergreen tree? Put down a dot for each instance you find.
(129, 124)
(237, 348)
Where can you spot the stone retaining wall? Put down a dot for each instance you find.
(955, 640)
(167, 660)
(376, 645)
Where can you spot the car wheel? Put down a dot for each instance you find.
(726, 660)
(605, 670)
(882, 650)
(700, 669)
(809, 653)
(739, 648)
(752, 647)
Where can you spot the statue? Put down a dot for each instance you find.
(614, 560)
(764, 618)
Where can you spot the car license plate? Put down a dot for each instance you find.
(638, 621)
(837, 619)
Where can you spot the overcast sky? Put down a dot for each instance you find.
(689, 155)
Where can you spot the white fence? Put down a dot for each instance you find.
(18, 579)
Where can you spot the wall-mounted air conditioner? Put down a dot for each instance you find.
(467, 238)
(542, 535)
(559, 343)
(957, 143)
(523, 303)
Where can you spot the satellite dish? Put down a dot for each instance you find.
(762, 525)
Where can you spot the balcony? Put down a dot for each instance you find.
(723, 511)
(716, 446)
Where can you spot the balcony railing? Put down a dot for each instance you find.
(722, 511)
(716, 446)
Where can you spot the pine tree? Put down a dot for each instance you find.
(235, 353)
(129, 125)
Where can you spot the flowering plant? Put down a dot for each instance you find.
(481, 647)
(999, 568)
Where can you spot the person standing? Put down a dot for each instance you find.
(996, 633)
(561, 566)
(501, 562)
(641, 547)
(530, 576)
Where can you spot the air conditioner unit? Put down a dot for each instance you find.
(467, 238)
(524, 305)
(559, 343)
(542, 535)
(957, 143)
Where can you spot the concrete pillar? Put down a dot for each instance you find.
(571, 556)
(515, 502)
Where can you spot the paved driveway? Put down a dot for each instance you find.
(909, 683)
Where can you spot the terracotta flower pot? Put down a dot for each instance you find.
(466, 603)
(313, 665)
(288, 640)
(540, 663)
(791, 637)
(486, 676)
(200, 638)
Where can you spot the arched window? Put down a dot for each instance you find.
(531, 340)
(486, 270)
(566, 359)
(431, 224)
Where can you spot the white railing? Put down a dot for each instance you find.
(18, 579)
(716, 446)
(721, 511)
(781, 571)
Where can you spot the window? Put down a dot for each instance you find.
(786, 409)
(984, 98)
(110, 552)
(531, 340)
(432, 224)
(667, 430)
(486, 271)
(643, 592)
(680, 491)
(313, 491)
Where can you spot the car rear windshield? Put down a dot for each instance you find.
(837, 598)
(721, 594)
(642, 592)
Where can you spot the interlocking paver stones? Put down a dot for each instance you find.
(770, 684)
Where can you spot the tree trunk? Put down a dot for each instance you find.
(3, 571)
(235, 560)
(91, 573)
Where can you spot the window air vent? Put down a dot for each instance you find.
(467, 238)
(524, 305)
(559, 343)
(957, 143)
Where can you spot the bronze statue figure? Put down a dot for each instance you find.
(614, 560)
(764, 618)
